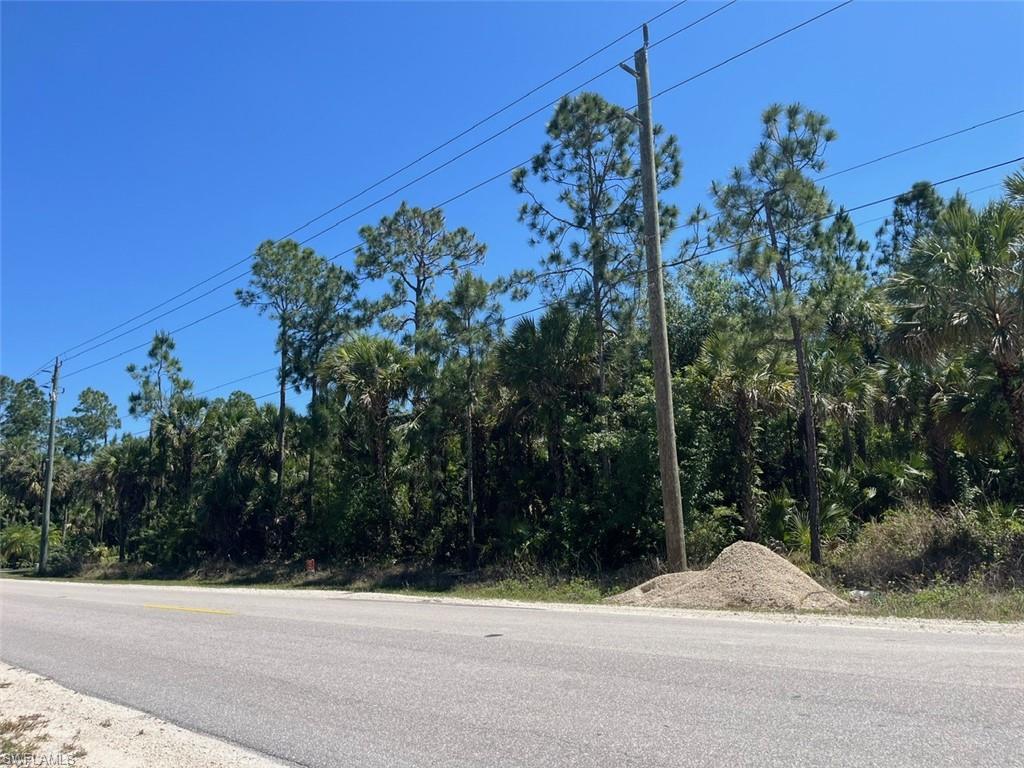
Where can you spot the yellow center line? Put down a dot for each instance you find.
(188, 609)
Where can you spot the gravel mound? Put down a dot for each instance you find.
(745, 575)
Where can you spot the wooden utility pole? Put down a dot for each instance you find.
(671, 497)
(44, 541)
(281, 418)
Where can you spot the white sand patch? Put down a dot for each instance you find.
(72, 730)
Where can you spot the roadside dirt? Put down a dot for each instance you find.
(745, 576)
(43, 723)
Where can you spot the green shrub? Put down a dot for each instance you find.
(834, 521)
(710, 533)
(893, 549)
(998, 529)
(62, 562)
(19, 544)
(918, 545)
(973, 600)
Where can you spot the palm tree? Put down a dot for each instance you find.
(545, 365)
(237, 448)
(908, 402)
(23, 474)
(101, 478)
(1014, 186)
(132, 465)
(750, 376)
(848, 386)
(964, 290)
(177, 434)
(967, 400)
(20, 543)
(373, 375)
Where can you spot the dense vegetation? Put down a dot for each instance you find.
(867, 389)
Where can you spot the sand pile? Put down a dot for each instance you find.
(744, 575)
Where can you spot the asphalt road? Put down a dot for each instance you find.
(334, 679)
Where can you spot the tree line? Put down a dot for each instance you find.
(824, 381)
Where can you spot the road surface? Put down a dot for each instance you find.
(338, 679)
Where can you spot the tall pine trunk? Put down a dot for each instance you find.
(382, 460)
(860, 434)
(806, 398)
(470, 500)
(98, 515)
(122, 535)
(598, 297)
(810, 439)
(599, 331)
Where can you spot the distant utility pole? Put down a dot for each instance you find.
(44, 542)
(675, 543)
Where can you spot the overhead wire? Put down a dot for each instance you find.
(410, 164)
(689, 259)
(731, 245)
(503, 173)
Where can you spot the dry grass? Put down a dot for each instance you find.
(23, 741)
(970, 602)
(942, 600)
(22, 736)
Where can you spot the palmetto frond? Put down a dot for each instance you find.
(848, 385)
(738, 360)
(967, 397)
(963, 286)
(1014, 186)
(542, 361)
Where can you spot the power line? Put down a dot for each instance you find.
(124, 352)
(240, 379)
(501, 132)
(729, 246)
(895, 153)
(379, 200)
(517, 165)
(414, 162)
(677, 262)
(663, 91)
(861, 206)
(943, 137)
(491, 116)
(490, 179)
(980, 189)
(152, 320)
(751, 49)
(864, 164)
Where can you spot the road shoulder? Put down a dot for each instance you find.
(44, 723)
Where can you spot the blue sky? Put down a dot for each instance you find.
(146, 146)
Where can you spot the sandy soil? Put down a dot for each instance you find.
(77, 731)
(745, 575)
